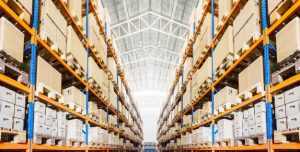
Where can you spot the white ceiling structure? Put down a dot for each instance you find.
(150, 35)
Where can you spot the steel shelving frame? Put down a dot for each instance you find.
(32, 95)
(264, 40)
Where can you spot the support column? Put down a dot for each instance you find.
(212, 75)
(87, 74)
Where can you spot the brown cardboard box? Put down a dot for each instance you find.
(102, 114)
(11, 40)
(225, 7)
(94, 71)
(75, 47)
(75, 8)
(73, 95)
(47, 75)
(112, 67)
(225, 95)
(243, 80)
(205, 71)
(187, 67)
(291, 33)
(224, 48)
(272, 4)
(93, 108)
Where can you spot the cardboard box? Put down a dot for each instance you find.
(281, 124)
(6, 121)
(39, 107)
(7, 95)
(112, 67)
(272, 4)
(225, 95)
(19, 112)
(280, 112)
(39, 128)
(75, 8)
(260, 107)
(74, 129)
(74, 95)
(293, 108)
(290, 32)
(39, 118)
(7, 108)
(75, 47)
(224, 49)
(54, 131)
(18, 124)
(225, 7)
(48, 130)
(292, 95)
(260, 118)
(279, 100)
(205, 71)
(20, 100)
(11, 40)
(48, 76)
(293, 121)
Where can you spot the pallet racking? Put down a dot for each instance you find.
(262, 42)
(32, 95)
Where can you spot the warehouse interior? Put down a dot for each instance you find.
(149, 75)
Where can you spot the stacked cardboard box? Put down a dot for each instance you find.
(112, 119)
(48, 76)
(187, 68)
(75, 50)
(61, 124)
(11, 40)
(225, 7)
(287, 109)
(276, 8)
(204, 134)
(53, 26)
(75, 130)
(12, 109)
(290, 32)
(102, 114)
(112, 67)
(225, 129)
(187, 95)
(225, 98)
(113, 98)
(75, 97)
(187, 119)
(246, 26)
(197, 115)
(75, 9)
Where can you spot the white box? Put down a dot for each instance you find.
(281, 124)
(292, 108)
(292, 95)
(61, 132)
(245, 123)
(54, 113)
(39, 118)
(6, 121)
(18, 124)
(260, 118)
(279, 100)
(260, 107)
(251, 130)
(7, 95)
(7, 108)
(250, 121)
(49, 120)
(54, 131)
(48, 112)
(48, 130)
(54, 122)
(261, 128)
(251, 111)
(245, 132)
(238, 132)
(245, 114)
(20, 100)
(280, 112)
(293, 121)
(61, 124)
(39, 128)
(39, 107)
(19, 112)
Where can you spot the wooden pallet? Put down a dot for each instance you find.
(19, 10)
(12, 135)
(226, 63)
(206, 84)
(50, 93)
(254, 90)
(53, 45)
(225, 143)
(288, 135)
(94, 85)
(49, 140)
(204, 145)
(11, 67)
(289, 67)
(75, 143)
(246, 45)
(280, 10)
(224, 107)
(75, 107)
(74, 64)
(222, 21)
(258, 139)
(95, 144)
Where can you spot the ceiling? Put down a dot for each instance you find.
(150, 35)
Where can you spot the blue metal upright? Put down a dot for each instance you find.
(181, 97)
(212, 72)
(87, 72)
(266, 47)
(118, 98)
(32, 74)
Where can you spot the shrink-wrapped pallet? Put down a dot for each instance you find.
(75, 49)
(11, 40)
(53, 26)
(291, 33)
(47, 75)
(224, 50)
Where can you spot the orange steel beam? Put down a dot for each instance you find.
(290, 81)
(13, 146)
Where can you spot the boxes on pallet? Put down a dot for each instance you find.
(48, 76)
(225, 98)
(249, 81)
(93, 107)
(74, 129)
(96, 74)
(7, 108)
(19, 112)
(112, 67)
(246, 26)
(102, 114)
(225, 7)
(75, 49)
(11, 40)
(188, 64)
(74, 97)
(291, 32)
(225, 129)
(53, 26)
(75, 9)
(20, 100)
(204, 134)
(224, 51)
(197, 115)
